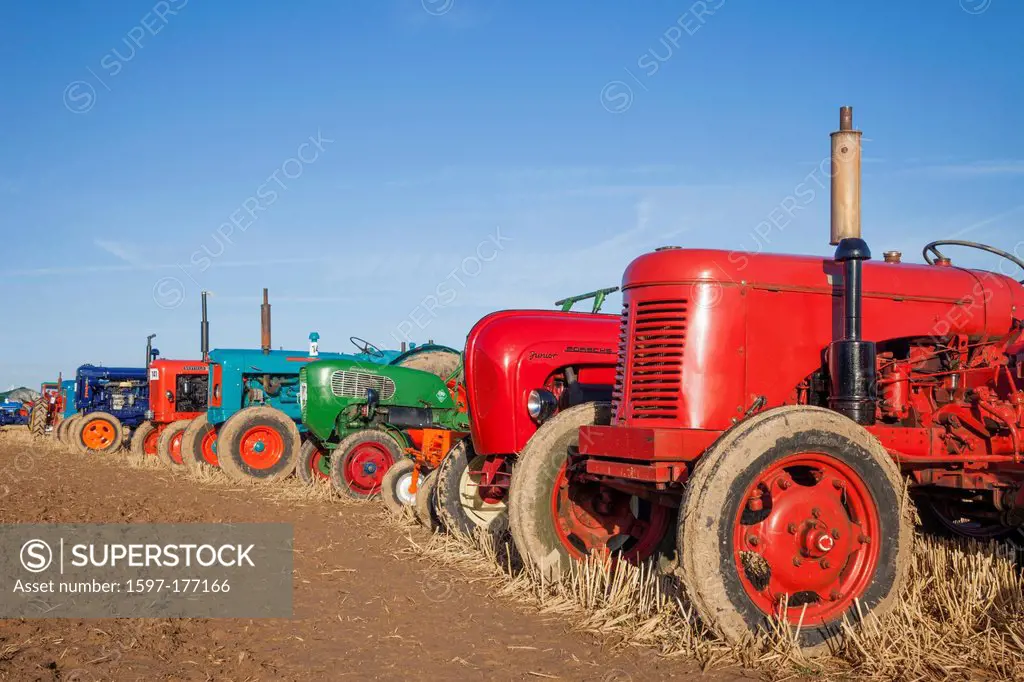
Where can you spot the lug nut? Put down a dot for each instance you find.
(816, 513)
(796, 561)
(834, 595)
(752, 540)
(864, 540)
(791, 528)
(835, 533)
(825, 563)
(785, 483)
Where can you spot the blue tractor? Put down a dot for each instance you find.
(13, 413)
(109, 403)
(253, 424)
(67, 394)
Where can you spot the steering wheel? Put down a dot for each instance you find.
(931, 251)
(368, 348)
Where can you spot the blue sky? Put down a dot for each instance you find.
(397, 167)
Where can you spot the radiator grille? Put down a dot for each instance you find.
(620, 365)
(656, 359)
(354, 384)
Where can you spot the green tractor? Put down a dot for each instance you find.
(364, 419)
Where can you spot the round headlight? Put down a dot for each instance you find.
(540, 404)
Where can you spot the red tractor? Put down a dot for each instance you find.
(178, 391)
(522, 367)
(768, 412)
(47, 410)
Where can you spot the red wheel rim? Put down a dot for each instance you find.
(261, 447)
(317, 464)
(208, 447)
(591, 518)
(150, 441)
(174, 447)
(98, 434)
(365, 467)
(806, 532)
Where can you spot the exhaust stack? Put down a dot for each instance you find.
(846, 153)
(204, 332)
(265, 324)
(149, 349)
(852, 360)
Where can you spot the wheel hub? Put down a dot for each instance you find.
(803, 536)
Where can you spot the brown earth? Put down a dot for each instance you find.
(364, 609)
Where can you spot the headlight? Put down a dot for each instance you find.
(541, 404)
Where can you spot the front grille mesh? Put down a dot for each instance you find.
(656, 358)
(346, 384)
(620, 366)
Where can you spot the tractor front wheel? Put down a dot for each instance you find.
(66, 430)
(144, 440)
(259, 442)
(556, 517)
(426, 498)
(168, 446)
(796, 514)
(314, 462)
(463, 504)
(98, 432)
(37, 419)
(395, 487)
(360, 461)
(199, 444)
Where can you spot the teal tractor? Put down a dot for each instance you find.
(363, 418)
(67, 392)
(253, 427)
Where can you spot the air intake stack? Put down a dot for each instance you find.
(851, 359)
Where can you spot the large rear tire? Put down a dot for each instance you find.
(360, 461)
(462, 506)
(144, 440)
(37, 419)
(58, 433)
(556, 518)
(98, 432)
(199, 444)
(314, 462)
(168, 446)
(797, 505)
(259, 442)
(66, 430)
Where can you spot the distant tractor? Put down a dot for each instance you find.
(365, 418)
(67, 394)
(178, 393)
(770, 414)
(13, 413)
(522, 368)
(46, 410)
(252, 427)
(110, 403)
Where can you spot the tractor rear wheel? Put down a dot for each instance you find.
(199, 444)
(37, 419)
(360, 461)
(168, 446)
(556, 518)
(58, 433)
(144, 440)
(426, 497)
(394, 487)
(98, 432)
(314, 462)
(798, 506)
(259, 442)
(462, 505)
